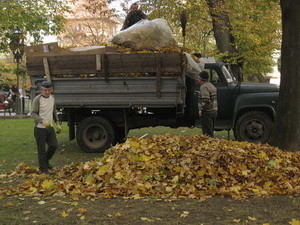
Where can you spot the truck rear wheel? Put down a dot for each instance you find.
(253, 126)
(95, 134)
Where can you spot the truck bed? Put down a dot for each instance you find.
(118, 92)
(101, 79)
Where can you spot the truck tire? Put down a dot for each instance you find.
(253, 126)
(95, 134)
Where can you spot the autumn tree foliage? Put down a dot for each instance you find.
(256, 28)
(286, 131)
(242, 32)
(33, 18)
(8, 75)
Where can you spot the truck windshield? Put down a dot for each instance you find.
(229, 77)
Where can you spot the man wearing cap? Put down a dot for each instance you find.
(44, 113)
(207, 104)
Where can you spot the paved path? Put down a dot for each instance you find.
(12, 116)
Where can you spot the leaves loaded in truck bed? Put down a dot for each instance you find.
(170, 167)
(122, 49)
(164, 74)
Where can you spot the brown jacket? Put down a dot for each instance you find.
(208, 98)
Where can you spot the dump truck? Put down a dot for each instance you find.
(102, 94)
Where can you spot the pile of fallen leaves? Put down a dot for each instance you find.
(171, 167)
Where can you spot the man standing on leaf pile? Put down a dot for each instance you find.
(207, 104)
(44, 113)
(134, 16)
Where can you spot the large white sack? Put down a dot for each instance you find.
(192, 68)
(146, 35)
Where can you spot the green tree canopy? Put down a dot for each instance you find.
(34, 18)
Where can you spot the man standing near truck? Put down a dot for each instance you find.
(44, 113)
(207, 104)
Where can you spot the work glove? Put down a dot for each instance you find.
(58, 128)
(47, 124)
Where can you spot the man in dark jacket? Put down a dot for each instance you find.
(134, 16)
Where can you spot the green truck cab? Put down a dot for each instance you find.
(246, 108)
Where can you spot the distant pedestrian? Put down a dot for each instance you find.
(134, 16)
(11, 98)
(207, 104)
(2, 96)
(44, 113)
(12, 94)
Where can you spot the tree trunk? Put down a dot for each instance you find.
(221, 26)
(286, 131)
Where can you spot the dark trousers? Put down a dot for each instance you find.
(208, 123)
(45, 136)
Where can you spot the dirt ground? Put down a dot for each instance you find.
(275, 210)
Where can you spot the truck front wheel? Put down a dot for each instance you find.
(253, 126)
(95, 134)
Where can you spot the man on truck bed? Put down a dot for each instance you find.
(134, 16)
(207, 104)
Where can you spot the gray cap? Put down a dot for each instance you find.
(46, 84)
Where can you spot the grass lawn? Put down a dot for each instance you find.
(17, 143)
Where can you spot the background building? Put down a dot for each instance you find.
(90, 23)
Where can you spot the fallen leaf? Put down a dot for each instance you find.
(184, 214)
(48, 185)
(146, 219)
(294, 222)
(251, 218)
(8, 204)
(33, 189)
(82, 218)
(64, 214)
(82, 210)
